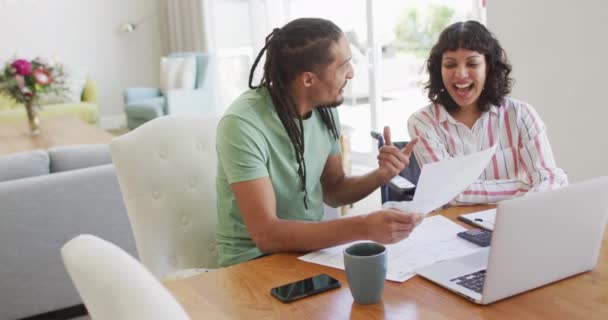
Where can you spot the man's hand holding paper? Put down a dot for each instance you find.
(392, 225)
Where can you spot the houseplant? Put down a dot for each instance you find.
(27, 80)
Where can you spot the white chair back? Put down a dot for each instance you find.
(166, 169)
(113, 285)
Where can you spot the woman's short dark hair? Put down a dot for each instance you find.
(470, 35)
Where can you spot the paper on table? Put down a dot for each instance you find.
(433, 240)
(484, 219)
(442, 181)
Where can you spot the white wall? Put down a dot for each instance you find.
(86, 33)
(559, 54)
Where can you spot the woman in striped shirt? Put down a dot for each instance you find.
(470, 111)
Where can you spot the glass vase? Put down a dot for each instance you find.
(32, 118)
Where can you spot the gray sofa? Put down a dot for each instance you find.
(46, 198)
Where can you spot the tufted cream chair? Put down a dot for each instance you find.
(166, 169)
(113, 285)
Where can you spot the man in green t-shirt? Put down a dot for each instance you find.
(279, 154)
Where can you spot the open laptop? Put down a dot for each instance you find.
(538, 239)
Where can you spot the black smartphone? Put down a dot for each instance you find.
(304, 288)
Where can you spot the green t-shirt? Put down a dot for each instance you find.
(252, 143)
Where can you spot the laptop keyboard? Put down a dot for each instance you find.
(472, 281)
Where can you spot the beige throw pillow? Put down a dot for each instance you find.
(75, 81)
(177, 73)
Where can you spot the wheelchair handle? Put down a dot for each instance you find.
(379, 137)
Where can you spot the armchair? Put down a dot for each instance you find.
(171, 197)
(113, 285)
(142, 104)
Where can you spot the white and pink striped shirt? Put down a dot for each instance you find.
(523, 161)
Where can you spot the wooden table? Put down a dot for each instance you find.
(15, 137)
(243, 292)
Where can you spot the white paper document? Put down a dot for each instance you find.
(433, 240)
(442, 181)
(484, 219)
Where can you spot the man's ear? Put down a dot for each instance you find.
(307, 79)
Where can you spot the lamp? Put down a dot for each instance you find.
(132, 26)
(128, 27)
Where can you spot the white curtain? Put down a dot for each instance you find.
(182, 26)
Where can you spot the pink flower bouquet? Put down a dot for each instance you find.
(25, 80)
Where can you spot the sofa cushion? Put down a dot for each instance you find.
(52, 98)
(7, 102)
(66, 158)
(23, 165)
(86, 111)
(90, 94)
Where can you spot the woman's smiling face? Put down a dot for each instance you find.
(464, 73)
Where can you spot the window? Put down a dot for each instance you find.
(399, 32)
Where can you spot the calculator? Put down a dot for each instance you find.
(479, 237)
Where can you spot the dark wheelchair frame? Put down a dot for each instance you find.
(411, 173)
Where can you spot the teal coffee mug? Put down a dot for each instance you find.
(365, 265)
